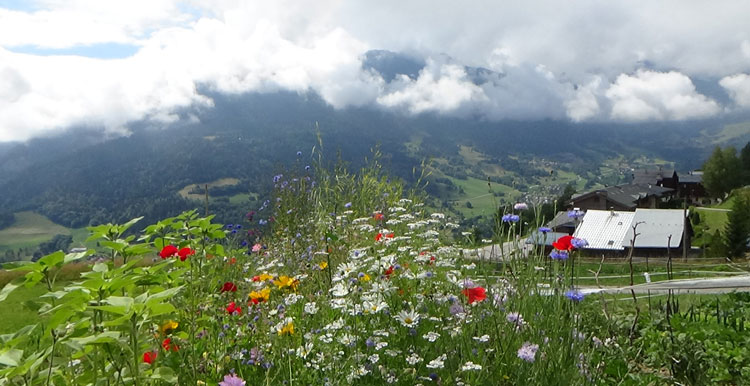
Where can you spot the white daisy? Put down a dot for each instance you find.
(408, 318)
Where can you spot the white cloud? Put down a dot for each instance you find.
(738, 87)
(652, 95)
(584, 104)
(553, 60)
(439, 87)
(68, 23)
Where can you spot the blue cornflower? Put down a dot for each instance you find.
(545, 230)
(348, 205)
(578, 243)
(574, 295)
(558, 255)
(510, 218)
(299, 154)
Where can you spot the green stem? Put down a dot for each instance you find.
(134, 342)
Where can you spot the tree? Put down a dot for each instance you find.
(737, 230)
(721, 172)
(745, 164)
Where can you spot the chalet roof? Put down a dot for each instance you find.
(612, 230)
(646, 176)
(691, 178)
(562, 219)
(655, 226)
(541, 238)
(627, 195)
(604, 229)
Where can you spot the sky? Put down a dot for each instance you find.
(108, 63)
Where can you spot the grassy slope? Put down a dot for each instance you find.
(29, 230)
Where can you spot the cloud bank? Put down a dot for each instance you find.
(622, 61)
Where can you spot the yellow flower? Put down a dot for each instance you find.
(288, 329)
(286, 281)
(364, 277)
(168, 327)
(263, 277)
(323, 265)
(260, 296)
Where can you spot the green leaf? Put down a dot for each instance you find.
(104, 337)
(117, 304)
(161, 308)
(166, 374)
(124, 227)
(10, 287)
(76, 256)
(100, 267)
(164, 294)
(11, 357)
(52, 259)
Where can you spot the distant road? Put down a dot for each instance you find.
(714, 209)
(718, 285)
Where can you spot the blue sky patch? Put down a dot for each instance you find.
(99, 51)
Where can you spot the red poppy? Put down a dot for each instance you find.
(167, 345)
(229, 287)
(390, 235)
(476, 294)
(378, 216)
(378, 237)
(185, 252)
(232, 308)
(563, 243)
(168, 251)
(389, 271)
(149, 356)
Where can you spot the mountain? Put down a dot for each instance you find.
(78, 178)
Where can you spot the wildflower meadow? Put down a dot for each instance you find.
(348, 278)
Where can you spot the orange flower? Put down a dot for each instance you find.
(378, 216)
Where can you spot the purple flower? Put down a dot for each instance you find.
(510, 218)
(456, 308)
(348, 205)
(578, 243)
(574, 295)
(528, 351)
(515, 318)
(558, 255)
(545, 230)
(277, 178)
(232, 380)
(520, 206)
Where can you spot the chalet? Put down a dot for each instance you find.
(666, 178)
(562, 223)
(690, 185)
(623, 197)
(610, 232)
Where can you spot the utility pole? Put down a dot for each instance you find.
(685, 223)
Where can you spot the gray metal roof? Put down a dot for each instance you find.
(604, 229)
(654, 228)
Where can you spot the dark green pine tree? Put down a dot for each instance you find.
(745, 164)
(737, 230)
